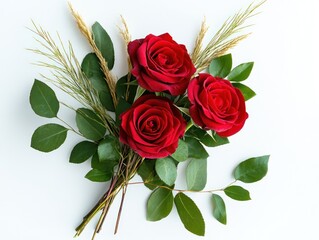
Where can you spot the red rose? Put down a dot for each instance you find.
(215, 104)
(152, 127)
(160, 64)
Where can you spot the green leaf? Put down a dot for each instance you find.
(122, 106)
(106, 166)
(96, 175)
(108, 149)
(106, 100)
(126, 88)
(104, 44)
(195, 149)
(181, 153)
(221, 66)
(48, 137)
(43, 100)
(247, 92)
(237, 193)
(241, 72)
(148, 174)
(82, 151)
(90, 124)
(252, 170)
(166, 170)
(159, 204)
(219, 209)
(206, 137)
(189, 214)
(196, 174)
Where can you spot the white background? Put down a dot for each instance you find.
(42, 196)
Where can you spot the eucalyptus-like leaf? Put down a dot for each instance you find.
(166, 170)
(122, 106)
(159, 204)
(43, 100)
(90, 124)
(48, 137)
(108, 149)
(96, 175)
(219, 209)
(104, 44)
(237, 193)
(106, 100)
(195, 149)
(148, 174)
(105, 166)
(221, 66)
(247, 92)
(126, 88)
(252, 169)
(208, 138)
(181, 153)
(82, 151)
(241, 72)
(189, 214)
(196, 174)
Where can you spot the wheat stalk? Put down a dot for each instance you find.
(109, 78)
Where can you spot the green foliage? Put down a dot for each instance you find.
(149, 175)
(241, 72)
(43, 100)
(96, 175)
(195, 149)
(48, 137)
(106, 166)
(181, 153)
(196, 174)
(237, 193)
(221, 66)
(108, 149)
(219, 209)
(104, 44)
(159, 204)
(126, 89)
(247, 92)
(82, 151)
(122, 106)
(252, 170)
(206, 137)
(189, 214)
(90, 124)
(166, 170)
(92, 70)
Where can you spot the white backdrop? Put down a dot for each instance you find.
(42, 196)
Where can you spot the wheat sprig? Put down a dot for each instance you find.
(109, 78)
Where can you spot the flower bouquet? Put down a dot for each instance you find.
(164, 112)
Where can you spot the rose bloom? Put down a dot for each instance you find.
(215, 104)
(160, 64)
(152, 127)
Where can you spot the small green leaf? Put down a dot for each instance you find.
(221, 66)
(90, 124)
(126, 89)
(195, 149)
(196, 174)
(219, 209)
(241, 72)
(148, 174)
(96, 175)
(104, 44)
(252, 170)
(206, 137)
(139, 92)
(48, 137)
(106, 100)
(159, 204)
(166, 170)
(108, 149)
(122, 106)
(43, 100)
(189, 214)
(181, 153)
(106, 166)
(82, 151)
(237, 193)
(247, 92)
